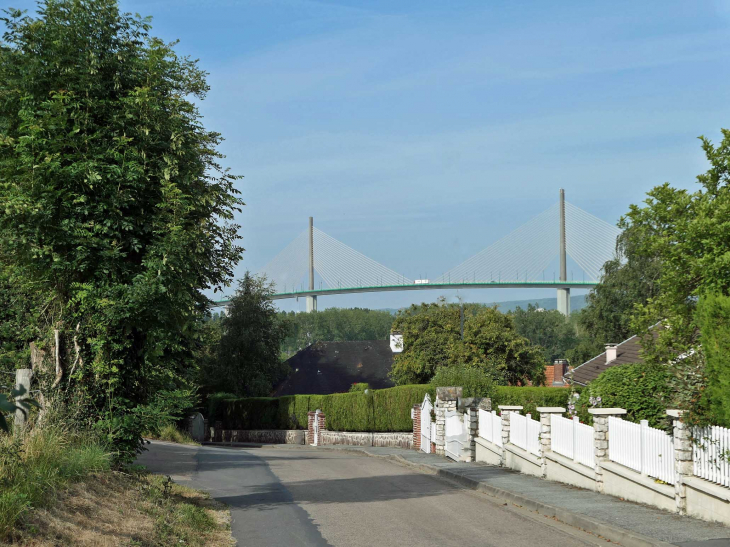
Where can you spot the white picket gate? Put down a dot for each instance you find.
(490, 426)
(572, 439)
(525, 432)
(642, 448)
(455, 433)
(711, 454)
(426, 438)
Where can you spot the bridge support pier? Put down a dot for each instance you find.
(311, 303)
(564, 301)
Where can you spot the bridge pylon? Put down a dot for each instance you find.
(311, 300)
(563, 294)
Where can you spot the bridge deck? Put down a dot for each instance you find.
(433, 286)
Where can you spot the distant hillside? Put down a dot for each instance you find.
(576, 303)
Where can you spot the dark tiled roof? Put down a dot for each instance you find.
(332, 367)
(628, 351)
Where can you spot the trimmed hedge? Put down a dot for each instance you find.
(378, 410)
(531, 397)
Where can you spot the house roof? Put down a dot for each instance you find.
(628, 351)
(332, 367)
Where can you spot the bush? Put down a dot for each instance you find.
(639, 388)
(359, 387)
(530, 397)
(377, 410)
(713, 317)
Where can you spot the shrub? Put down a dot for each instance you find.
(477, 382)
(530, 397)
(639, 388)
(358, 387)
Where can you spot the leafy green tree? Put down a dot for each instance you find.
(247, 359)
(114, 206)
(549, 329)
(688, 233)
(432, 340)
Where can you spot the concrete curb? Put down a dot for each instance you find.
(582, 522)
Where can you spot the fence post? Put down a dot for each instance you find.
(546, 417)
(683, 461)
(600, 438)
(416, 412)
(644, 439)
(22, 379)
(505, 411)
(446, 398)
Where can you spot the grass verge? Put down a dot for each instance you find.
(119, 509)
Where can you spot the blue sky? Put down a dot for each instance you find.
(421, 132)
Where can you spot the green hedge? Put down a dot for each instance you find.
(713, 316)
(378, 410)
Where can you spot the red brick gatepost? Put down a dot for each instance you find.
(310, 428)
(416, 427)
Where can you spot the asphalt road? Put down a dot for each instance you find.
(302, 496)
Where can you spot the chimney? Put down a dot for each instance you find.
(559, 366)
(611, 352)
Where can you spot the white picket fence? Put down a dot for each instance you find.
(525, 432)
(642, 448)
(572, 439)
(490, 426)
(711, 454)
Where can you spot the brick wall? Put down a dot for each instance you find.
(417, 427)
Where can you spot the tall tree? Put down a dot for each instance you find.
(688, 233)
(247, 360)
(549, 329)
(432, 340)
(115, 208)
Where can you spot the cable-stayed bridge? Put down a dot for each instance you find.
(518, 260)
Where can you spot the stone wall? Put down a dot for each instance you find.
(391, 440)
(264, 436)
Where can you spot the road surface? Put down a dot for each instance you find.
(300, 496)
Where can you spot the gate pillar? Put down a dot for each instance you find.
(446, 400)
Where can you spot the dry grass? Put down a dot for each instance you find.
(115, 509)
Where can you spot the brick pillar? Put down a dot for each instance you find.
(600, 438)
(416, 412)
(446, 399)
(206, 431)
(683, 461)
(218, 437)
(471, 424)
(546, 416)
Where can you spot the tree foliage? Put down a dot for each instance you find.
(687, 232)
(432, 339)
(713, 317)
(246, 361)
(115, 210)
(335, 325)
(629, 280)
(549, 329)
